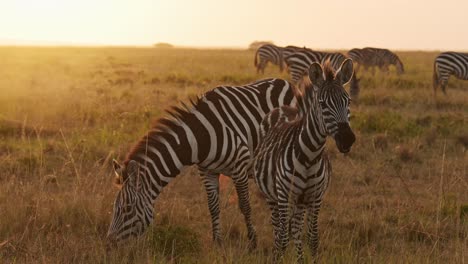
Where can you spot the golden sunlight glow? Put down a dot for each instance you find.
(397, 24)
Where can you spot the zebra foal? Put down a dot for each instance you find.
(290, 165)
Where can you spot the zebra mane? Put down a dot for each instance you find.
(328, 70)
(161, 126)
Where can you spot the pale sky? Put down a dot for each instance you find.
(325, 24)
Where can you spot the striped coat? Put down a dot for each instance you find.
(447, 64)
(217, 132)
(290, 165)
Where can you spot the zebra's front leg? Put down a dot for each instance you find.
(282, 238)
(297, 223)
(211, 183)
(312, 228)
(242, 187)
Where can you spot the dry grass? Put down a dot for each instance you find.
(400, 196)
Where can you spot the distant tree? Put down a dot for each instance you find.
(163, 45)
(257, 44)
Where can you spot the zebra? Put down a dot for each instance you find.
(374, 57)
(274, 54)
(299, 62)
(217, 132)
(290, 165)
(449, 63)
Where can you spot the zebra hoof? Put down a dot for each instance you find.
(252, 244)
(218, 242)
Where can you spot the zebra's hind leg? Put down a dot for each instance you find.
(242, 187)
(211, 183)
(297, 223)
(443, 85)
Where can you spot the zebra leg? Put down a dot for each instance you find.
(312, 228)
(443, 85)
(297, 223)
(274, 217)
(211, 183)
(242, 187)
(264, 63)
(281, 240)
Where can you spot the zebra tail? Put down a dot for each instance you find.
(435, 78)
(256, 58)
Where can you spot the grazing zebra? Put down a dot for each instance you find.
(300, 61)
(375, 57)
(290, 165)
(268, 53)
(449, 63)
(274, 54)
(217, 132)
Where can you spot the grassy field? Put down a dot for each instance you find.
(400, 196)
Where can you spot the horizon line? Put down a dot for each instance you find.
(60, 44)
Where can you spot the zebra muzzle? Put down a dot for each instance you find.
(345, 138)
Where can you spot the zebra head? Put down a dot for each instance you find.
(133, 211)
(332, 101)
(399, 67)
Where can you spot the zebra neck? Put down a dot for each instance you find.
(161, 157)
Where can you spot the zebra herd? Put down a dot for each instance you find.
(297, 60)
(269, 130)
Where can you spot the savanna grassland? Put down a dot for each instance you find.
(400, 196)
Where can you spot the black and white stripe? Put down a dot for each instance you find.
(290, 165)
(217, 132)
(299, 62)
(449, 63)
(374, 57)
(273, 54)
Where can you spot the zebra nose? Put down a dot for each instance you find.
(345, 137)
(111, 242)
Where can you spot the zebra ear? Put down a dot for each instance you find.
(346, 71)
(316, 74)
(133, 172)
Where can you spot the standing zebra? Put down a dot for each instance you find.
(449, 63)
(274, 54)
(300, 61)
(375, 57)
(217, 132)
(290, 165)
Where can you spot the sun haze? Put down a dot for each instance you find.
(398, 24)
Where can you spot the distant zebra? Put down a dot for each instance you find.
(375, 57)
(273, 54)
(449, 63)
(290, 165)
(217, 132)
(299, 62)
